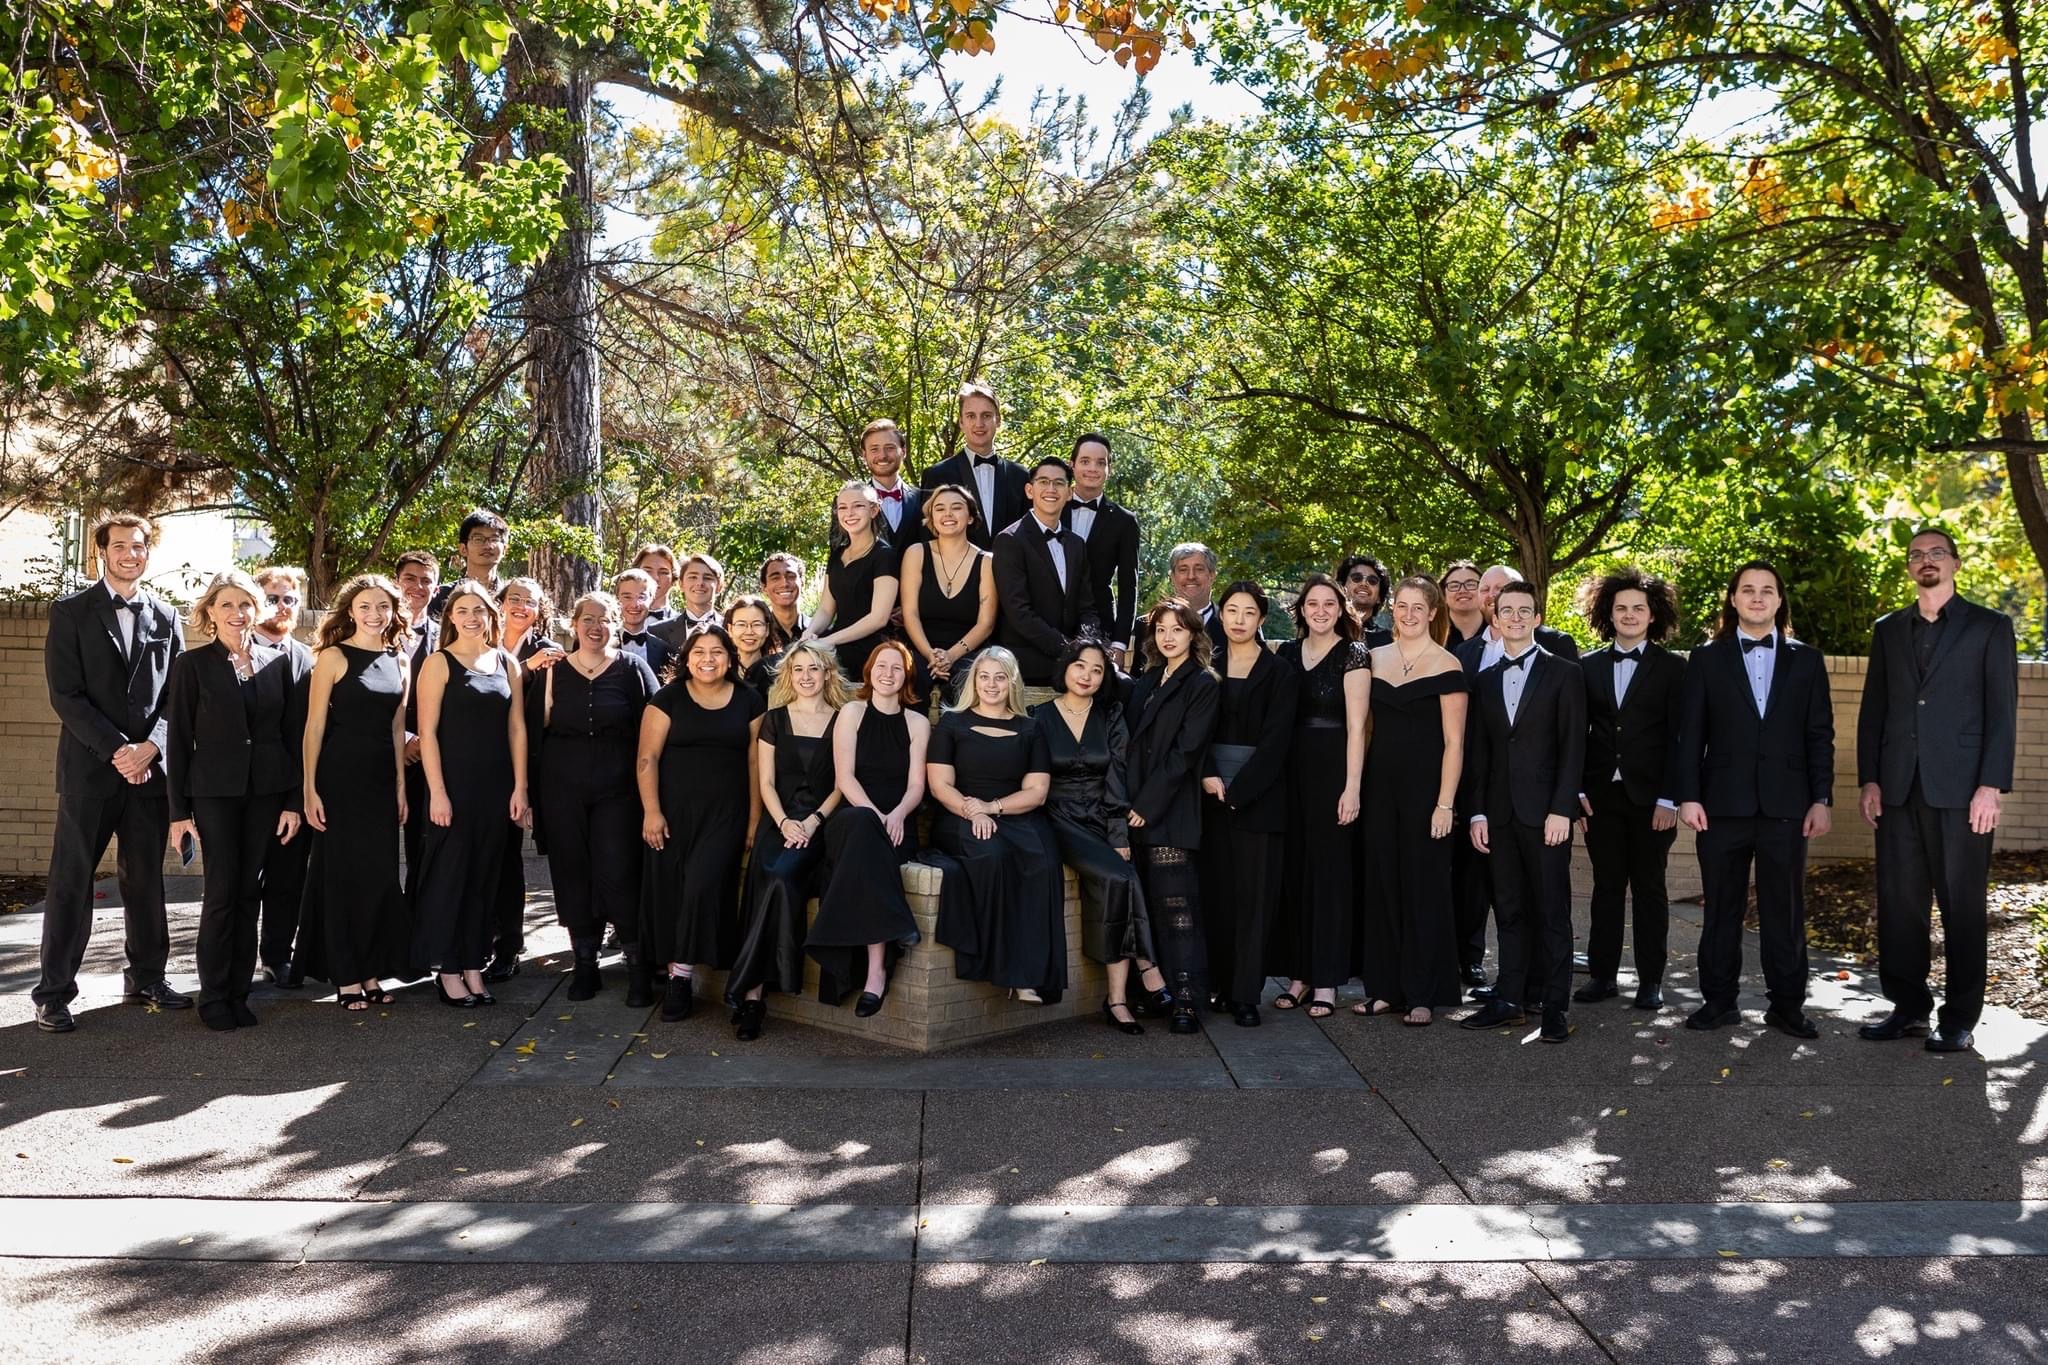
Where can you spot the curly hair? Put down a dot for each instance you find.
(1596, 602)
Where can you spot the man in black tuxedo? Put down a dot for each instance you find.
(1756, 771)
(881, 450)
(107, 659)
(1634, 689)
(1042, 577)
(996, 484)
(1525, 747)
(1935, 743)
(1112, 536)
(656, 643)
(284, 863)
(418, 575)
(480, 544)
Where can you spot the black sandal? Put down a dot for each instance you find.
(353, 1001)
(1321, 1009)
(1286, 1000)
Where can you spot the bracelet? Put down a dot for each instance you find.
(1441, 806)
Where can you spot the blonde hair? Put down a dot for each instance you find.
(835, 691)
(604, 601)
(865, 491)
(469, 587)
(1003, 659)
(224, 581)
(640, 576)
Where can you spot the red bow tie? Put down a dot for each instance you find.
(890, 494)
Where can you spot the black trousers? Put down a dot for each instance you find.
(1927, 855)
(237, 833)
(1471, 894)
(508, 919)
(284, 887)
(1532, 900)
(1629, 859)
(416, 822)
(594, 849)
(1729, 849)
(141, 818)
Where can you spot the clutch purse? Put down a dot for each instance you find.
(1229, 760)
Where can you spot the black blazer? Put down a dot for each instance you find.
(663, 645)
(423, 647)
(675, 628)
(1969, 703)
(1170, 723)
(1038, 616)
(1257, 797)
(1530, 769)
(221, 745)
(1739, 764)
(1011, 502)
(106, 699)
(1112, 567)
(1640, 737)
(1141, 638)
(910, 530)
(1467, 649)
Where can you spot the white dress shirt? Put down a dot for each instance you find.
(1514, 679)
(985, 486)
(1053, 546)
(1760, 664)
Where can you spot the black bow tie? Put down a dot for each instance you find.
(635, 637)
(1768, 642)
(983, 461)
(1051, 532)
(1518, 661)
(1092, 504)
(127, 604)
(1632, 655)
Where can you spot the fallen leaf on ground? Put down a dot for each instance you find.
(1728, 1253)
(1039, 1261)
(575, 1123)
(1777, 1163)
(124, 1161)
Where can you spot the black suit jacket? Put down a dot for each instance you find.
(1739, 764)
(422, 649)
(1112, 567)
(106, 699)
(673, 630)
(1640, 736)
(1958, 727)
(222, 746)
(910, 530)
(1529, 769)
(1257, 795)
(1039, 616)
(1170, 723)
(662, 645)
(1011, 502)
(1141, 638)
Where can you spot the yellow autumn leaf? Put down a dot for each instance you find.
(575, 1123)
(1729, 1254)
(124, 1161)
(528, 1048)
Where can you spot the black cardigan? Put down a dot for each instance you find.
(1170, 723)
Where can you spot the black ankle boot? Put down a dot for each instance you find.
(676, 1000)
(748, 1021)
(639, 981)
(583, 978)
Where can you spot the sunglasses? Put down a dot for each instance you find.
(289, 599)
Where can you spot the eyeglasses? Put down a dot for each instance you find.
(1463, 585)
(289, 599)
(1933, 556)
(1513, 613)
(1050, 483)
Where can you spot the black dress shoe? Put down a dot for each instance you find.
(1895, 1025)
(282, 976)
(1472, 974)
(1593, 992)
(1130, 1026)
(1153, 1002)
(1184, 1021)
(1649, 997)
(1218, 1005)
(158, 993)
(676, 1000)
(244, 1016)
(1481, 992)
(504, 969)
(869, 1005)
(1556, 1027)
(218, 1015)
(639, 984)
(1495, 1014)
(1793, 1022)
(465, 1001)
(584, 981)
(55, 1018)
(748, 1026)
(1245, 1016)
(1951, 1040)
(1710, 1016)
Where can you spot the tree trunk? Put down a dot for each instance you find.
(561, 319)
(2023, 475)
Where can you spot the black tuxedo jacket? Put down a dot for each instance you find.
(1467, 648)
(222, 746)
(674, 630)
(1257, 796)
(1170, 723)
(1011, 502)
(661, 648)
(1739, 764)
(1640, 736)
(103, 697)
(1529, 769)
(1039, 617)
(1959, 726)
(1112, 567)
(910, 530)
(423, 647)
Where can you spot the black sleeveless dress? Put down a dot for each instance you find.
(853, 596)
(1409, 929)
(780, 879)
(464, 859)
(689, 890)
(1321, 899)
(862, 901)
(352, 922)
(947, 620)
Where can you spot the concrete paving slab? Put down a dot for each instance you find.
(1154, 1147)
(709, 1029)
(1287, 1051)
(1576, 1142)
(564, 1043)
(650, 1069)
(66, 1311)
(732, 1146)
(187, 1136)
(1093, 1038)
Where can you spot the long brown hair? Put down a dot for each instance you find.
(339, 625)
(1725, 627)
(1200, 646)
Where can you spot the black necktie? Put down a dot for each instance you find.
(1092, 504)
(1632, 655)
(1766, 643)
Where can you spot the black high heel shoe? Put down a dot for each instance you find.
(461, 1002)
(1130, 1026)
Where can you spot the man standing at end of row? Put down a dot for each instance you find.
(1935, 743)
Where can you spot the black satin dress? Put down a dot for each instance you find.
(1088, 807)
(1321, 898)
(863, 900)
(1409, 929)
(780, 879)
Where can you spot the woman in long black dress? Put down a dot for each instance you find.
(793, 761)
(1411, 776)
(860, 580)
(352, 924)
(1003, 914)
(1244, 819)
(1173, 712)
(473, 744)
(233, 720)
(583, 728)
(751, 623)
(529, 637)
(878, 760)
(1328, 760)
(699, 802)
(1086, 738)
(949, 590)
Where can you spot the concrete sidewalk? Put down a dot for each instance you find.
(419, 1183)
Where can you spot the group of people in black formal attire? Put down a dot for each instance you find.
(698, 767)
